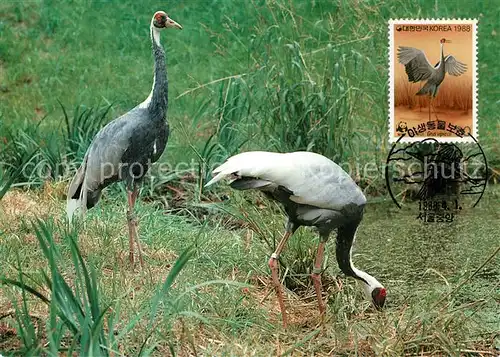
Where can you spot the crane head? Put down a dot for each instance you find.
(378, 297)
(443, 40)
(162, 21)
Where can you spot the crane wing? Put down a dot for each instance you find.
(312, 178)
(105, 154)
(417, 66)
(454, 67)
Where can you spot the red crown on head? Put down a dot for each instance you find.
(159, 15)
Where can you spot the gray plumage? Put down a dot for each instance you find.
(418, 68)
(126, 147)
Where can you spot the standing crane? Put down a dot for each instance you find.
(126, 147)
(418, 68)
(314, 191)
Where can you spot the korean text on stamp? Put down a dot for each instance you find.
(432, 74)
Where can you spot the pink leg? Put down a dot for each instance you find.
(273, 264)
(316, 277)
(132, 226)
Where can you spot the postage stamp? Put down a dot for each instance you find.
(433, 80)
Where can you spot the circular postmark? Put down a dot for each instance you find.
(440, 178)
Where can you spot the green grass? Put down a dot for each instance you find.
(99, 52)
(268, 75)
(420, 265)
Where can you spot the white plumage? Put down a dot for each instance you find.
(314, 179)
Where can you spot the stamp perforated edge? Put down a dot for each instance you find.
(446, 139)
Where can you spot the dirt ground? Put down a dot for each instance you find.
(420, 116)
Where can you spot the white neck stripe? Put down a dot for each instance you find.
(155, 36)
(155, 33)
(371, 282)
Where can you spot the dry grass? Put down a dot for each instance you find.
(453, 94)
(18, 206)
(241, 321)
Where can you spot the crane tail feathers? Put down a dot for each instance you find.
(77, 194)
(216, 178)
(249, 164)
(428, 89)
(72, 206)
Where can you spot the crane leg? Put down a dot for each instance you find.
(135, 194)
(316, 277)
(132, 225)
(430, 106)
(273, 264)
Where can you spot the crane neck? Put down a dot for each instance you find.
(345, 240)
(442, 53)
(157, 101)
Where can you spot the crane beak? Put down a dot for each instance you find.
(448, 41)
(172, 23)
